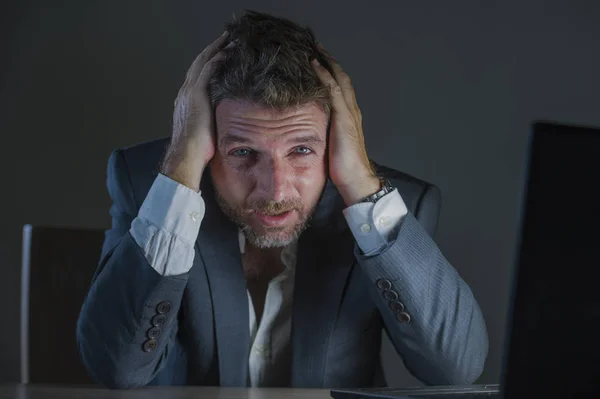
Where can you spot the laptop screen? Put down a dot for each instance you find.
(554, 343)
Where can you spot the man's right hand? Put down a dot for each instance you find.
(193, 141)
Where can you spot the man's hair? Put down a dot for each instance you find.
(270, 64)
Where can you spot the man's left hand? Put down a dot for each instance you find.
(349, 166)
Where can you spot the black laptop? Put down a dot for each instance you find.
(552, 347)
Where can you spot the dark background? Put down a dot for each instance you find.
(447, 90)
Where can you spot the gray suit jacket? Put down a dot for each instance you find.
(342, 299)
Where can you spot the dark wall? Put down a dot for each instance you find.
(447, 90)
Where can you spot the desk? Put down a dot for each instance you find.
(17, 391)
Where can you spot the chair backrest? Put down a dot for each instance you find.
(57, 269)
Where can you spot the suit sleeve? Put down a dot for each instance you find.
(128, 320)
(428, 209)
(428, 310)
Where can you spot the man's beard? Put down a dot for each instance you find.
(268, 237)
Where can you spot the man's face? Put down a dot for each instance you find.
(269, 168)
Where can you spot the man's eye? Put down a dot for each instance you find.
(242, 152)
(302, 150)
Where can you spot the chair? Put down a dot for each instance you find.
(57, 268)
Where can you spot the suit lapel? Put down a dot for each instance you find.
(219, 247)
(323, 265)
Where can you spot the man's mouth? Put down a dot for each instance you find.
(272, 219)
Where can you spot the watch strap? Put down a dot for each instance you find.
(386, 188)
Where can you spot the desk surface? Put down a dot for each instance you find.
(65, 392)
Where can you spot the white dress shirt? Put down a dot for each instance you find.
(166, 229)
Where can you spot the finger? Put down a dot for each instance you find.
(210, 67)
(345, 83)
(210, 51)
(337, 96)
(325, 52)
(205, 73)
(343, 80)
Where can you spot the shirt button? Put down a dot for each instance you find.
(365, 228)
(260, 349)
(194, 216)
(384, 221)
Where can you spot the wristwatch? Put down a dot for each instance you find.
(386, 188)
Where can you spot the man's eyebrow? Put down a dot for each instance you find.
(231, 138)
(306, 139)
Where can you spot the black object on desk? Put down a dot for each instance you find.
(552, 347)
(451, 391)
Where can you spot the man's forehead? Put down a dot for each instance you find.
(230, 109)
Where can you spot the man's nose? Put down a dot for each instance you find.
(274, 179)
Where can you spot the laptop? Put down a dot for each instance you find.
(552, 346)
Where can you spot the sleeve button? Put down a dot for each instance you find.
(384, 284)
(163, 307)
(153, 333)
(158, 320)
(397, 306)
(403, 317)
(149, 345)
(390, 295)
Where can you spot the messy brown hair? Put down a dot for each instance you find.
(270, 64)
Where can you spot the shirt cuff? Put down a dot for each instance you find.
(167, 226)
(174, 208)
(373, 224)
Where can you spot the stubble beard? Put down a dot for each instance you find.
(268, 237)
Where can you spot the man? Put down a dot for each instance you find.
(265, 250)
